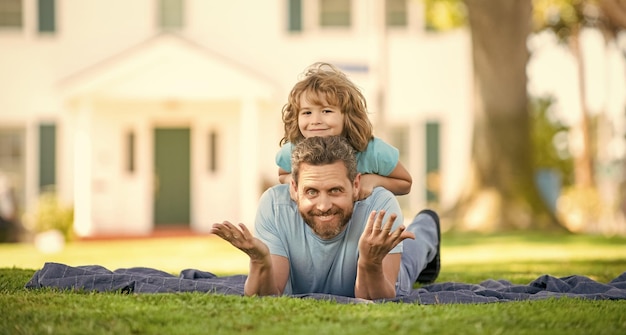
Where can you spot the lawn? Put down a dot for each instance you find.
(519, 258)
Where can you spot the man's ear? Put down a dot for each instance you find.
(356, 186)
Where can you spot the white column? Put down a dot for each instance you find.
(417, 154)
(377, 103)
(65, 155)
(249, 176)
(31, 162)
(83, 223)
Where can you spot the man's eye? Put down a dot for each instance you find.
(311, 192)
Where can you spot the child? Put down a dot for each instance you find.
(327, 103)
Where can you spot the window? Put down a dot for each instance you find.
(334, 13)
(10, 13)
(46, 16)
(171, 14)
(47, 156)
(12, 160)
(295, 15)
(130, 151)
(11, 149)
(432, 162)
(212, 147)
(396, 13)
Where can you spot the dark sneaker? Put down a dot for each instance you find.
(431, 272)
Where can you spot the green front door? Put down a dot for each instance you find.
(172, 176)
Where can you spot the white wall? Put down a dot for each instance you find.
(428, 78)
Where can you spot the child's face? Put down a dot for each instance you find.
(318, 120)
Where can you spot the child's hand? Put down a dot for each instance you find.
(286, 179)
(293, 194)
(368, 182)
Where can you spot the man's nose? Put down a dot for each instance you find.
(324, 203)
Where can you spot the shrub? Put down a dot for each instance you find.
(51, 215)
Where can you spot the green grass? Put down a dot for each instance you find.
(465, 258)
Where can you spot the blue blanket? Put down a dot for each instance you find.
(147, 280)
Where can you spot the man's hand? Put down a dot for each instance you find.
(377, 269)
(242, 239)
(378, 239)
(260, 279)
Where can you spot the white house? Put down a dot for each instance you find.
(152, 113)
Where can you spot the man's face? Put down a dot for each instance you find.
(325, 197)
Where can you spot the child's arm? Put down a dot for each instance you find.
(397, 182)
(284, 177)
(283, 160)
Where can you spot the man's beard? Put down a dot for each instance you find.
(327, 230)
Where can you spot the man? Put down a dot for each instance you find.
(327, 241)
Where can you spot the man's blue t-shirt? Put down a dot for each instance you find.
(378, 158)
(317, 265)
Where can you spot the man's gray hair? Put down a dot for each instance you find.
(323, 151)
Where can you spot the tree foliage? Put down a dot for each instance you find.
(549, 137)
(443, 15)
(565, 17)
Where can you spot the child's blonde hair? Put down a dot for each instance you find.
(328, 82)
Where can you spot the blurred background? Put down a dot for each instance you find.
(131, 118)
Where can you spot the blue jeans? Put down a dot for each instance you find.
(417, 253)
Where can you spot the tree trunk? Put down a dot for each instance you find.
(583, 171)
(500, 193)
(615, 11)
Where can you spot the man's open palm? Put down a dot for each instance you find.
(378, 239)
